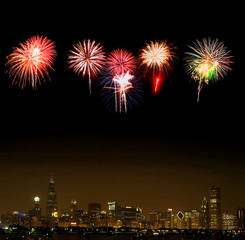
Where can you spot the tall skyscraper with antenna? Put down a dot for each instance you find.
(51, 208)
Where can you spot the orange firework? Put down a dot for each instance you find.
(157, 57)
(30, 62)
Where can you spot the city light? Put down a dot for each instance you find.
(209, 216)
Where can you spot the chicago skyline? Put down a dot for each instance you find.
(74, 179)
(208, 216)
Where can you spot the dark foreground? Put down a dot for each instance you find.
(125, 236)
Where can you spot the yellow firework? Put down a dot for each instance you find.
(157, 57)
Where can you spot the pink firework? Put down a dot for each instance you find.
(30, 62)
(87, 59)
(121, 61)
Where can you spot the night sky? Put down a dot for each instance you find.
(165, 153)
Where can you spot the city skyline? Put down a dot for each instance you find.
(83, 173)
(208, 216)
(50, 205)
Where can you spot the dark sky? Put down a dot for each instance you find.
(163, 154)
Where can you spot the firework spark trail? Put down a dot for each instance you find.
(120, 62)
(122, 86)
(209, 61)
(157, 57)
(87, 59)
(31, 61)
(156, 85)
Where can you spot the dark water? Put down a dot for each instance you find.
(89, 237)
(67, 236)
(76, 236)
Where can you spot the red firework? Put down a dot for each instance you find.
(30, 62)
(121, 61)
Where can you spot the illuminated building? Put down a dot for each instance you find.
(14, 218)
(64, 216)
(94, 210)
(102, 221)
(64, 220)
(175, 221)
(118, 224)
(180, 220)
(204, 214)
(123, 216)
(215, 209)
(73, 208)
(80, 217)
(154, 219)
(130, 217)
(187, 219)
(111, 222)
(114, 210)
(162, 219)
(36, 211)
(195, 219)
(240, 218)
(170, 219)
(51, 208)
(77, 215)
(229, 221)
(35, 214)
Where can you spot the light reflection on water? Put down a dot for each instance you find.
(68, 236)
(89, 237)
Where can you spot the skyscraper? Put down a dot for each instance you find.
(229, 221)
(114, 210)
(241, 218)
(187, 219)
(73, 208)
(94, 210)
(51, 209)
(195, 219)
(215, 208)
(36, 211)
(204, 215)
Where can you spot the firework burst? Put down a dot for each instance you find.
(121, 61)
(209, 61)
(157, 57)
(123, 84)
(29, 63)
(87, 59)
(123, 91)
